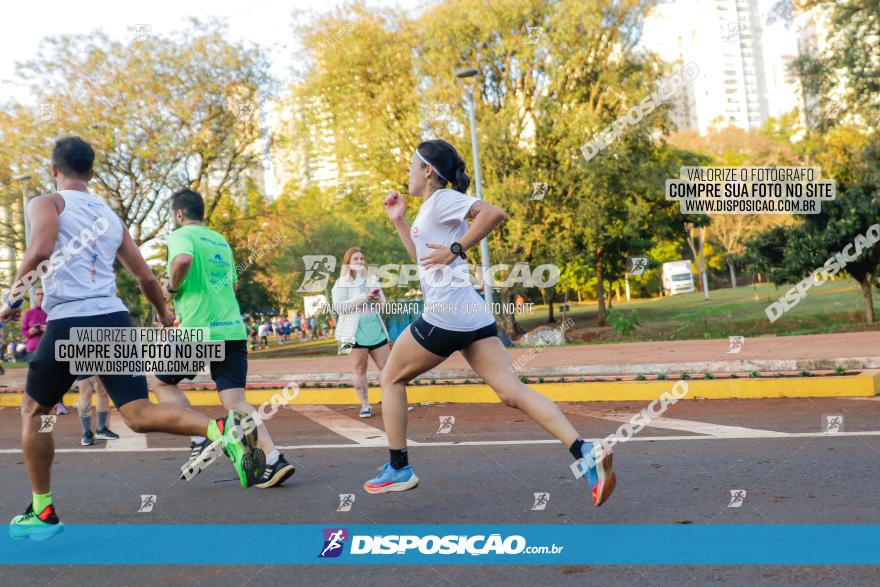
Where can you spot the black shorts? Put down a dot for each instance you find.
(445, 342)
(48, 380)
(371, 347)
(230, 373)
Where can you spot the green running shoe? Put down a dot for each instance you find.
(37, 527)
(239, 444)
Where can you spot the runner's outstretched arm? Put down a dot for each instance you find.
(43, 216)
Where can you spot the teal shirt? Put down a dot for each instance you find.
(369, 331)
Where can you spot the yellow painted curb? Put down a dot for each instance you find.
(865, 384)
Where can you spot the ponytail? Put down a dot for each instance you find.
(461, 181)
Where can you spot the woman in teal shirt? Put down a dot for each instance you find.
(357, 299)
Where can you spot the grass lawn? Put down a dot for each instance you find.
(833, 307)
(310, 348)
(20, 365)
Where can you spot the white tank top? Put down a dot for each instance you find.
(82, 282)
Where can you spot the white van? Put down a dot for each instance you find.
(678, 278)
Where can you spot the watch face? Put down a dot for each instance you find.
(456, 248)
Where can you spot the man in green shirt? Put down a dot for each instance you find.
(202, 282)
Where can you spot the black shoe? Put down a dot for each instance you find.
(275, 474)
(196, 450)
(87, 439)
(106, 434)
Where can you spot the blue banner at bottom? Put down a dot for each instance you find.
(524, 544)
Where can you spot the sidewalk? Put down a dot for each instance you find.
(769, 353)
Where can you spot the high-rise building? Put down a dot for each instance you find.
(741, 55)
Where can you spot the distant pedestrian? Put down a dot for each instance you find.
(252, 334)
(263, 331)
(33, 325)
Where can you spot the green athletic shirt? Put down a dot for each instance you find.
(207, 296)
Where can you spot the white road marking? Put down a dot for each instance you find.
(356, 430)
(129, 440)
(717, 430)
(782, 435)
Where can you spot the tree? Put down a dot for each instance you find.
(731, 146)
(542, 94)
(163, 112)
(789, 254)
(552, 75)
(849, 70)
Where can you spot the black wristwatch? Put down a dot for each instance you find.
(457, 249)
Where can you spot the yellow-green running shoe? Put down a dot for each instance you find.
(239, 444)
(37, 527)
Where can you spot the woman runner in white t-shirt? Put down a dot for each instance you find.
(456, 318)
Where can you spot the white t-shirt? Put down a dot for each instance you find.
(451, 302)
(83, 283)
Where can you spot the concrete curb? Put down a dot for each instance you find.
(864, 384)
(670, 369)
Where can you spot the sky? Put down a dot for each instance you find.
(264, 22)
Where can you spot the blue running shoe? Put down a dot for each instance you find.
(599, 474)
(391, 479)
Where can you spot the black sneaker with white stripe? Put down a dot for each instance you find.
(196, 450)
(275, 474)
(106, 434)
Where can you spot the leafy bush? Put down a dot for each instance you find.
(623, 323)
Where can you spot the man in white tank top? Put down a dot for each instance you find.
(75, 239)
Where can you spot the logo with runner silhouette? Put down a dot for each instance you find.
(47, 423)
(346, 500)
(317, 273)
(334, 541)
(541, 501)
(737, 497)
(832, 423)
(636, 265)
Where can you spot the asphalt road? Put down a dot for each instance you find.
(680, 471)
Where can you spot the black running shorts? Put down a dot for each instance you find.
(371, 347)
(230, 373)
(445, 342)
(48, 380)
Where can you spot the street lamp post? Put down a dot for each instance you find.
(22, 179)
(478, 179)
